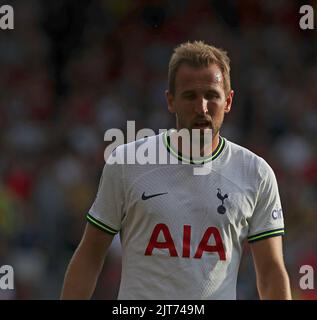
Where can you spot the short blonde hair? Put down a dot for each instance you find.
(198, 54)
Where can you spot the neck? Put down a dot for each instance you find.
(192, 148)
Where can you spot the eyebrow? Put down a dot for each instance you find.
(187, 92)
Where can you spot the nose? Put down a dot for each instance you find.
(201, 106)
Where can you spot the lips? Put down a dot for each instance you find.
(201, 124)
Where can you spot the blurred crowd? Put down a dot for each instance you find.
(71, 69)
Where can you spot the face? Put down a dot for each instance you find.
(199, 101)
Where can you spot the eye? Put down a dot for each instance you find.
(211, 95)
(189, 96)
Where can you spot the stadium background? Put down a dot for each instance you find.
(72, 69)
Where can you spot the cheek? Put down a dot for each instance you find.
(215, 108)
(184, 106)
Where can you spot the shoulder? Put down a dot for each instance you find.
(249, 160)
(125, 152)
(148, 140)
(132, 146)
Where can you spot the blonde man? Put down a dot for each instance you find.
(182, 234)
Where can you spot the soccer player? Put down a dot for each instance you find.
(182, 234)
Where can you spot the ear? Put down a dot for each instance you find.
(229, 100)
(170, 101)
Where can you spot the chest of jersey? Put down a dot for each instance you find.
(184, 215)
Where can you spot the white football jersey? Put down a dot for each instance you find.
(182, 234)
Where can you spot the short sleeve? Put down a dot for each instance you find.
(108, 208)
(267, 218)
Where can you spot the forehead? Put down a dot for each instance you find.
(190, 77)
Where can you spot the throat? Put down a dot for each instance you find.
(194, 147)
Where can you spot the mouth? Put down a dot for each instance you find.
(202, 124)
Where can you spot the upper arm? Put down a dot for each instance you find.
(271, 275)
(267, 219)
(86, 264)
(108, 209)
(95, 241)
(267, 255)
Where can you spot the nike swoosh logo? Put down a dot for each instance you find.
(144, 197)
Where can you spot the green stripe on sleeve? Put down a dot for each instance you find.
(266, 234)
(100, 225)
